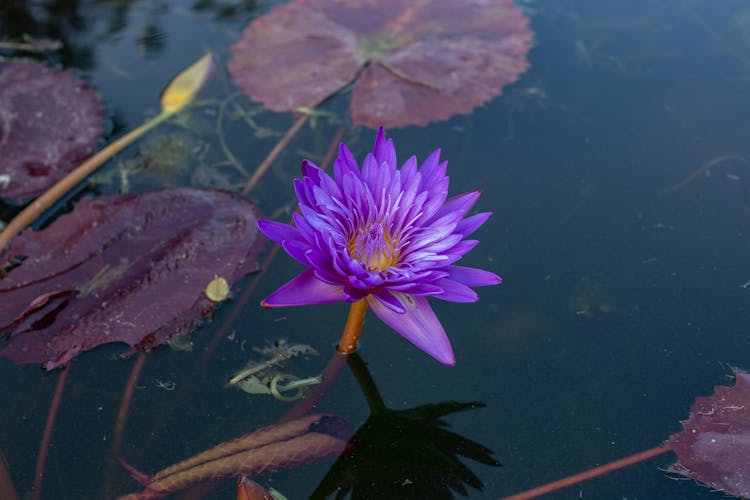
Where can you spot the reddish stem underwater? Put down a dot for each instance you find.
(7, 490)
(298, 122)
(122, 418)
(591, 473)
(41, 459)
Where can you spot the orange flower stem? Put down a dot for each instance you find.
(353, 328)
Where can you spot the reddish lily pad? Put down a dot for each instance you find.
(714, 445)
(50, 121)
(415, 61)
(124, 268)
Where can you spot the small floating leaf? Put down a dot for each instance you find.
(217, 290)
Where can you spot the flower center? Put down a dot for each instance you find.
(373, 247)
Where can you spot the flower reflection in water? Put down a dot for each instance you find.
(404, 453)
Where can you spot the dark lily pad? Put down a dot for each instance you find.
(49, 122)
(714, 445)
(124, 268)
(415, 61)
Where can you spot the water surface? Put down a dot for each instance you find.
(624, 297)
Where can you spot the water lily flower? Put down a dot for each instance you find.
(382, 237)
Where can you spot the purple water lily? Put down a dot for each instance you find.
(385, 235)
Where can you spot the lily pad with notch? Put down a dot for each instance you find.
(411, 62)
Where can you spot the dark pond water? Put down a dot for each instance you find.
(623, 299)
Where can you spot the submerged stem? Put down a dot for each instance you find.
(274, 153)
(353, 328)
(591, 473)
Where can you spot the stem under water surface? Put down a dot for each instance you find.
(278, 148)
(41, 458)
(591, 473)
(353, 328)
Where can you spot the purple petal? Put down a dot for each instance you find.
(440, 227)
(278, 231)
(470, 276)
(328, 276)
(458, 251)
(372, 174)
(453, 291)
(430, 169)
(297, 250)
(300, 189)
(385, 151)
(435, 244)
(422, 260)
(416, 288)
(344, 165)
(437, 194)
(302, 290)
(353, 294)
(323, 200)
(306, 231)
(409, 170)
(311, 170)
(358, 284)
(471, 224)
(433, 173)
(389, 301)
(459, 205)
(410, 207)
(418, 325)
(317, 259)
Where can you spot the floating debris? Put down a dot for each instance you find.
(181, 341)
(167, 385)
(264, 377)
(30, 44)
(278, 385)
(217, 290)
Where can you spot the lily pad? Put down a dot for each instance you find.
(714, 445)
(414, 61)
(122, 268)
(50, 121)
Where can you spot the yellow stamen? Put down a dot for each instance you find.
(373, 247)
